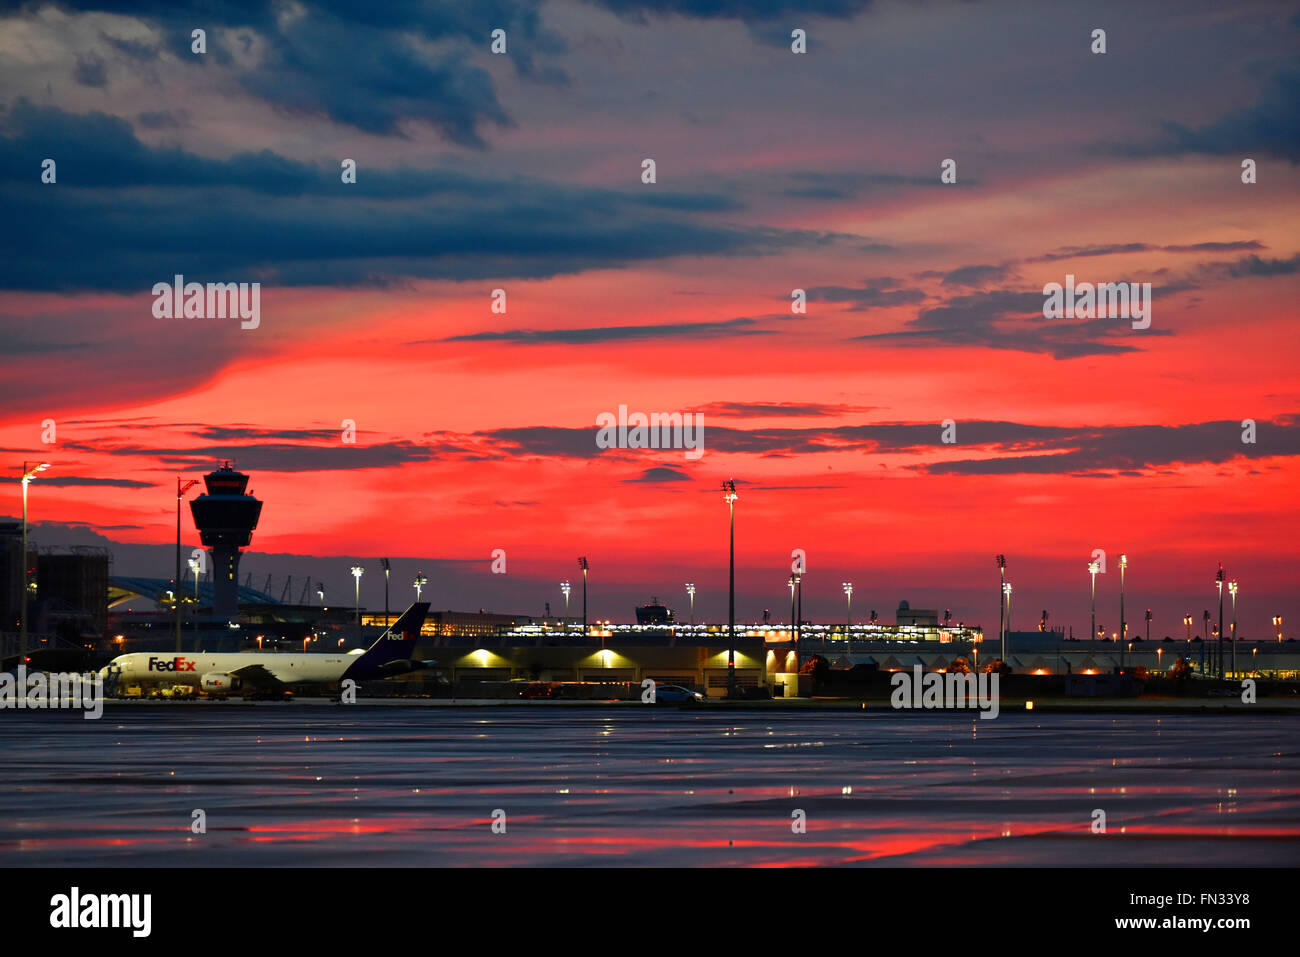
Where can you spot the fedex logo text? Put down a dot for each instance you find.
(174, 664)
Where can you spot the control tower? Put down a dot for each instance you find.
(225, 517)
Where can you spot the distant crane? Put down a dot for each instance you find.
(267, 589)
(302, 600)
(284, 592)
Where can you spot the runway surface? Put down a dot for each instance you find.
(644, 786)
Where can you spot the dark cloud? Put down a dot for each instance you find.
(1215, 247)
(667, 330)
(1009, 319)
(361, 65)
(1254, 266)
(214, 433)
(531, 440)
(1134, 450)
(1013, 447)
(90, 71)
(975, 275)
(766, 410)
(768, 21)
(552, 441)
(1268, 127)
(661, 474)
(391, 226)
(640, 10)
(1008, 447)
(165, 119)
(1080, 252)
(869, 296)
(271, 456)
(818, 185)
(74, 480)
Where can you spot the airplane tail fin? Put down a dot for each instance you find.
(397, 643)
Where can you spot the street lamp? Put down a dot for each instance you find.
(848, 608)
(357, 572)
(1232, 588)
(794, 583)
(1218, 581)
(1148, 624)
(1123, 622)
(194, 567)
(1006, 590)
(729, 496)
(582, 563)
(1002, 624)
(420, 582)
(690, 590)
(1093, 568)
(180, 495)
(387, 569)
(29, 472)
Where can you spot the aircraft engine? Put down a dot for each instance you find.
(218, 682)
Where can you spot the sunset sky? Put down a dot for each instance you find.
(775, 171)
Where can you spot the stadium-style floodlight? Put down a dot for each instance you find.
(1277, 626)
(848, 608)
(357, 572)
(1187, 620)
(29, 472)
(729, 496)
(1006, 590)
(690, 590)
(387, 569)
(420, 582)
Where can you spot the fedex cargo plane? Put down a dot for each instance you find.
(258, 671)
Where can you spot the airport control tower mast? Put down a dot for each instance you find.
(225, 517)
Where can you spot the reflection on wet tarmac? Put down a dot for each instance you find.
(358, 786)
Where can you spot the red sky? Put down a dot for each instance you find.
(376, 308)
